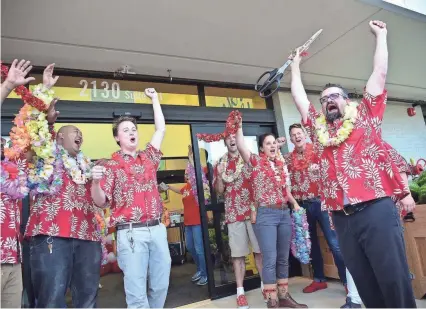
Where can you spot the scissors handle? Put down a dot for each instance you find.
(271, 84)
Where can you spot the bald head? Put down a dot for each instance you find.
(70, 138)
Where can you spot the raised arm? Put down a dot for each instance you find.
(377, 80)
(160, 123)
(241, 145)
(174, 189)
(15, 77)
(297, 90)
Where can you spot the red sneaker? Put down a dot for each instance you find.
(315, 286)
(242, 302)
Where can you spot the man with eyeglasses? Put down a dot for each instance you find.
(358, 179)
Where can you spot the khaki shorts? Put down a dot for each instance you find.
(241, 234)
(11, 285)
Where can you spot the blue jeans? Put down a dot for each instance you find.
(73, 263)
(273, 232)
(143, 254)
(194, 243)
(314, 215)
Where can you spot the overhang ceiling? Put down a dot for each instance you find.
(221, 40)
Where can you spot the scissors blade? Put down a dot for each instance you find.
(305, 46)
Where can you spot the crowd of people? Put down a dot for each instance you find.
(348, 179)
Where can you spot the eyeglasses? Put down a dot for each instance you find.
(332, 96)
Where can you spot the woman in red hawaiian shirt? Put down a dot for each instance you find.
(273, 227)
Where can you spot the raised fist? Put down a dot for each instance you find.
(378, 27)
(98, 173)
(150, 92)
(281, 141)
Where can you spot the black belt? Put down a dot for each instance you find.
(149, 223)
(351, 209)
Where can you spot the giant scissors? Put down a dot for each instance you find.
(272, 83)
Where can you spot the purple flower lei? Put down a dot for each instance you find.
(54, 183)
(15, 188)
(300, 240)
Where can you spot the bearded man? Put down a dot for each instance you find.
(358, 179)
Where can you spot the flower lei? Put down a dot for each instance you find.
(300, 241)
(45, 175)
(78, 168)
(343, 132)
(231, 128)
(31, 129)
(13, 181)
(277, 170)
(307, 156)
(103, 231)
(229, 176)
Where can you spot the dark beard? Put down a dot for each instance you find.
(331, 117)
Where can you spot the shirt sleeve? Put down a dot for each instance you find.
(154, 155)
(254, 160)
(396, 158)
(375, 105)
(309, 124)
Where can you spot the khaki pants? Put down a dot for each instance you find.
(11, 285)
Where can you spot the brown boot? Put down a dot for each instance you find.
(288, 302)
(272, 302)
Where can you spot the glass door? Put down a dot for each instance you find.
(215, 233)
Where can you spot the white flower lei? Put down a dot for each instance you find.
(229, 177)
(78, 168)
(343, 132)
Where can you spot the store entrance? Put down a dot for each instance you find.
(216, 241)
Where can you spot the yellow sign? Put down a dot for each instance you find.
(250, 263)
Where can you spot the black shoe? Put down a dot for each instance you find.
(350, 304)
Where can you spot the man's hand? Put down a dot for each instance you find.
(17, 73)
(408, 203)
(150, 92)
(296, 207)
(378, 27)
(48, 80)
(98, 173)
(281, 141)
(296, 58)
(52, 113)
(163, 187)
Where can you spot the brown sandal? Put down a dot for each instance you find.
(286, 301)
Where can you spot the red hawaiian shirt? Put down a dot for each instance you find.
(130, 185)
(238, 194)
(265, 189)
(70, 213)
(10, 214)
(304, 181)
(359, 169)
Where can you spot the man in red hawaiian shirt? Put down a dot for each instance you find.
(232, 179)
(64, 241)
(303, 166)
(358, 178)
(130, 188)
